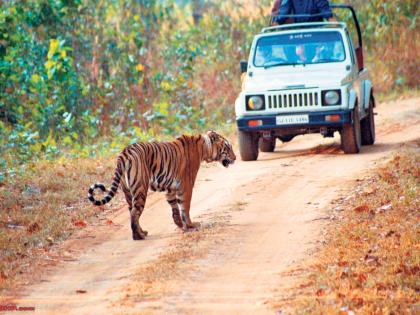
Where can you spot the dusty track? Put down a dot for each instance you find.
(284, 196)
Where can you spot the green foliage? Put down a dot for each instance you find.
(392, 35)
(391, 38)
(41, 95)
(124, 70)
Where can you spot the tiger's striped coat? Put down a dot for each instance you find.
(171, 167)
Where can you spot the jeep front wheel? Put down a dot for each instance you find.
(267, 145)
(351, 139)
(248, 145)
(367, 126)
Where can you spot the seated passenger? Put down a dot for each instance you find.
(329, 52)
(304, 54)
(263, 55)
(321, 8)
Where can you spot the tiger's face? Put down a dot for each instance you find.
(222, 149)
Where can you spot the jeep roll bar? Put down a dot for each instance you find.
(353, 14)
(358, 50)
(291, 26)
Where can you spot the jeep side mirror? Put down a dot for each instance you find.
(244, 66)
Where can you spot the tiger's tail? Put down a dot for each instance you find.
(114, 187)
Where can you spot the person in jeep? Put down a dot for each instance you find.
(320, 8)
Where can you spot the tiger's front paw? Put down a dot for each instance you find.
(193, 226)
(139, 236)
(178, 221)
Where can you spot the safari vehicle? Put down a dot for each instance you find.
(305, 78)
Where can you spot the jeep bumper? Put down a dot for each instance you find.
(316, 120)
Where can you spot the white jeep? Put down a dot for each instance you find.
(305, 78)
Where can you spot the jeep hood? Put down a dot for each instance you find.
(263, 80)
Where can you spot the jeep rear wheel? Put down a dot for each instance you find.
(367, 126)
(351, 139)
(248, 145)
(267, 145)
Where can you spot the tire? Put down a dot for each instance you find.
(267, 145)
(248, 145)
(286, 138)
(351, 139)
(367, 126)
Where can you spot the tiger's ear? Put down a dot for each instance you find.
(213, 135)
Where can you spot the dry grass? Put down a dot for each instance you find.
(370, 262)
(40, 209)
(397, 94)
(392, 65)
(45, 206)
(159, 277)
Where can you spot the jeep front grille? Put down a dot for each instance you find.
(292, 100)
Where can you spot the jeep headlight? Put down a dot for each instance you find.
(332, 97)
(255, 102)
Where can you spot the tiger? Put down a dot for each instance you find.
(169, 167)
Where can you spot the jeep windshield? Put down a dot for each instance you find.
(299, 48)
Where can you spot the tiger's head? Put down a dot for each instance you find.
(219, 149)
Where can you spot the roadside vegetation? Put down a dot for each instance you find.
(45, 207)
(370, 263)
(79, 77)
(79, 80)
(158, 277)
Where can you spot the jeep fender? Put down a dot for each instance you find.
(352, 98)
(367, 92)
(239, 107)
(373, 98)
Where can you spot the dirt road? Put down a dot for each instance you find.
(274, 210)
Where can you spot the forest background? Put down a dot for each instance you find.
(82, 78)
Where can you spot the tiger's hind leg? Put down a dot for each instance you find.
(129, 199)
(173, 202)
(139, 201)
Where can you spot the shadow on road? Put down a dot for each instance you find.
(333, 149)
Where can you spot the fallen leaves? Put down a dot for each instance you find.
(305, 285)
(392, 233)
(344, 310)
(357, 301)
(343, 273)
(361, 278)
(408, 270)
(384, 208)
(79, 291)
(80, 223)
(369, 190)
(380, 286)
(50, 240)
(369, 260)
(3, 275)
(41, 207)
(33, 227)
(362, 208)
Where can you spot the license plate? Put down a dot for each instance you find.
(292, 119)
